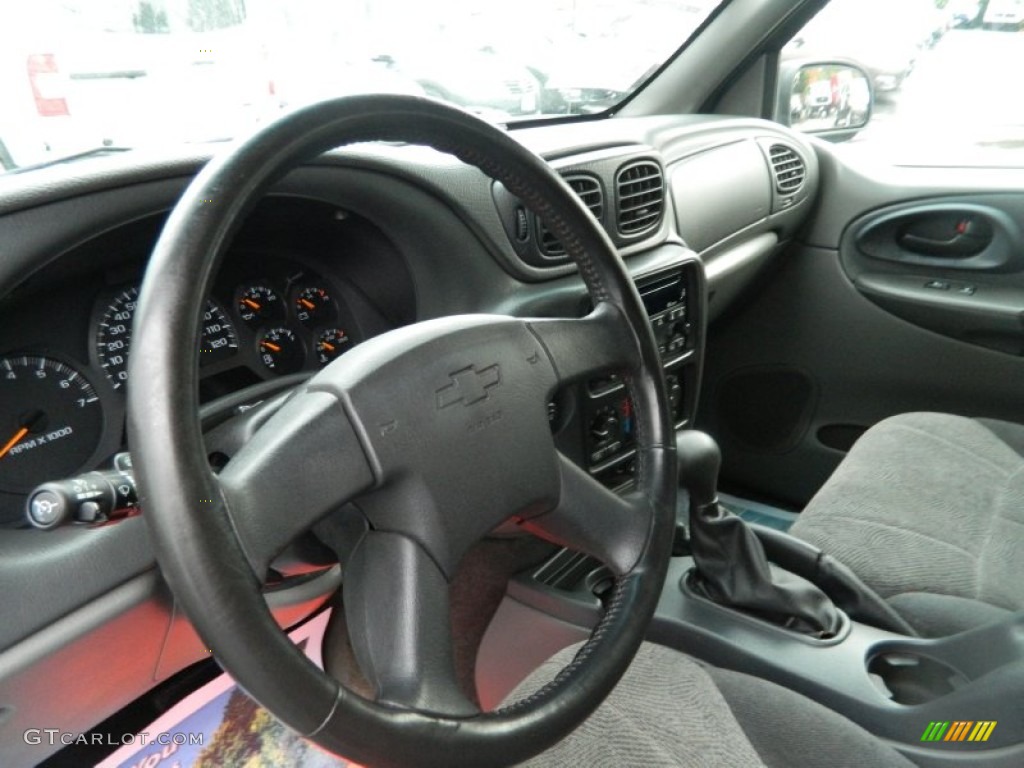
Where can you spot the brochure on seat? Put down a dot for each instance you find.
(220, 725)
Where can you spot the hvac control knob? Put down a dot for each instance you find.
(605, 425)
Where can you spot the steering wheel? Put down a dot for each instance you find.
(437, 431)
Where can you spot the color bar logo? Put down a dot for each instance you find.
(959, 730)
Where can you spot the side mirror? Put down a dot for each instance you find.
(831, 99)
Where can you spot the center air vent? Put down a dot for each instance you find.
(641, 196)
(589, 191)
(788, 167)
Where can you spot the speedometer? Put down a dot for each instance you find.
(114, 335)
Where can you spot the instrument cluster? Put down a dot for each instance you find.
(283, 318)
(302, 283)
(62, 411)
(296, 324)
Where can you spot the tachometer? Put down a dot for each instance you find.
(51, 421)
(114, 335)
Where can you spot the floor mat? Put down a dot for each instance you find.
(755, 512)
(219, 725)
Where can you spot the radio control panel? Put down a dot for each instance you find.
(674, 303)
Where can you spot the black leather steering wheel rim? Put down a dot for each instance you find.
(195, 530)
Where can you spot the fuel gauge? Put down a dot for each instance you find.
(330, 343)
(259, 305)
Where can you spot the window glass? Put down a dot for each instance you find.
(945, 76)
(81, 74)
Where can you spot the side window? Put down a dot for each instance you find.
(938, 85)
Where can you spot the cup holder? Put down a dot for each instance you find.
(907, 677)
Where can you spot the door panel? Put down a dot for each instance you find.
(836, 339)
(954, 266)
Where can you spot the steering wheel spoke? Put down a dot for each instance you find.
(580, 348)
(304, 462)
(592, 519)
(397, 612)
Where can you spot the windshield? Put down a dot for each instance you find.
(80, 75)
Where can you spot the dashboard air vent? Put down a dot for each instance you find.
(641, 196)
(589, 191)
(788, 168)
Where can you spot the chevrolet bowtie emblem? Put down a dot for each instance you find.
(469, 386)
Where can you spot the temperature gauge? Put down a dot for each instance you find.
(330, 343)
(281, 351)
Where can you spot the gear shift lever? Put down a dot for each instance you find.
(699, 462)
(732, 568)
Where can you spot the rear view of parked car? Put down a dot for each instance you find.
(1004, 14)
(74, 92)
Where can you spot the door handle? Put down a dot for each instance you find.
(947, 235)
(956, 247)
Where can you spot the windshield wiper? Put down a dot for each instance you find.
(74, 156)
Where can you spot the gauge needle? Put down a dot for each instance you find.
(13, 441)
(329, 347)
(271, 346)
(307, 303)
(28, 423)
(252, 304)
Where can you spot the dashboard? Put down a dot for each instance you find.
(279, 306)
(361, 241)
(356, 243)
(374, 238)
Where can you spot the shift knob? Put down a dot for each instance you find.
(699, 459)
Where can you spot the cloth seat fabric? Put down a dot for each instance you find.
(928, 510)
(671, 710)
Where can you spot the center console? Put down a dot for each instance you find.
(950, 701)
(595, 420)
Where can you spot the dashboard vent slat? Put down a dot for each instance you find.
(640, 191)
(588, 189)
(788, 168)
